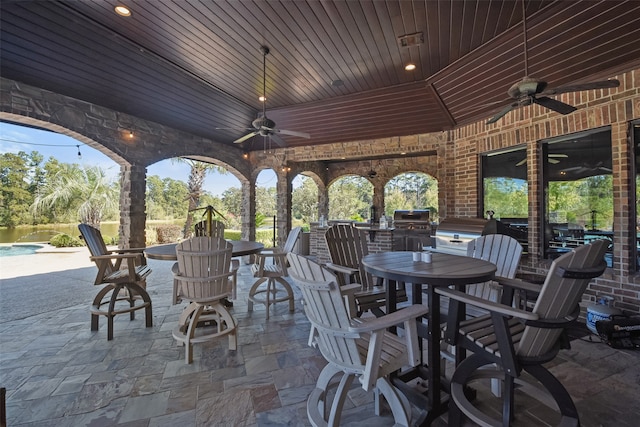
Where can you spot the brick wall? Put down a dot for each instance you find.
(529, 125)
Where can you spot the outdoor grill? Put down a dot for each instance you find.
(411, 220)
(412, 229)
(454, 234)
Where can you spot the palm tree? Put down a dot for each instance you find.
(87, 191)
(198, 173)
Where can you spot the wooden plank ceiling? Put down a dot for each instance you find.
(197, 65)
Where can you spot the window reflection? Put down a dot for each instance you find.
(579, 191)
(635, 135)
(505, 191)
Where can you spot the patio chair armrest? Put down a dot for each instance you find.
(518, 284)
(494, 307)
(389, 320)
(132, 250)
(270, 254)
(115, 256)
(341, 269)
(549, 323)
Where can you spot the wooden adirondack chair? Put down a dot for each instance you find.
(217, 230)
(271, 267)
(124, 281)
(347, 246)
(516, 339)
(203, 278)
(353, 348)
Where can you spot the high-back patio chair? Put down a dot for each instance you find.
(203, 278)
(516, 339)
(124, 273)
(347, 246)
(353, 348)
(217, 230)
(271, 267)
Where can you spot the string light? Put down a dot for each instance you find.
(130, 134)
(44, 145)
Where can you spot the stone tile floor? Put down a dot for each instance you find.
(58, 372)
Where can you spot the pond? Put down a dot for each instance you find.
(43, 233)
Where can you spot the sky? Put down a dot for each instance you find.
(15, 138)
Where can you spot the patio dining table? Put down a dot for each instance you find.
(167, 252)
(443, 270)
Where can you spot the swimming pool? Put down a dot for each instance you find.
(14, 250)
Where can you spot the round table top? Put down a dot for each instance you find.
(444, 270)
(167, 252)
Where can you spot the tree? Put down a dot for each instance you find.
(304, 200)
(16, 192)
(85, 191)
(198, 173)
(350, 198)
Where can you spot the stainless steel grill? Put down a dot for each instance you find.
(412, 220)
(412, 230)
(454, 234)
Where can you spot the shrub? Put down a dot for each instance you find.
(151, 236)
(63, 240)
(108, 240)
(168, 233)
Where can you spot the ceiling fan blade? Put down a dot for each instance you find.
(522, 162)
(553, 161)
(277, 140)
(555, 105)
(603, 84)
(244, 138)
(502, 113)
(557, 155)
(293, 133)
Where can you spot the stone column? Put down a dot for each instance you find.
(378, 198)
(283, 210)
(248, 209)
(133, 184)
(323, 201)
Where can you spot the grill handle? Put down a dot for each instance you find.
(455, 241)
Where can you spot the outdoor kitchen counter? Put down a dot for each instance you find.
(382, 240)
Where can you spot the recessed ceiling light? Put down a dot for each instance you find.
(262, 98)
(122, 11)
(410, 67)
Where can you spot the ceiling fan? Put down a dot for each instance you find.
(551, 158)
(587, 167)
(530, 90)
(263, 125)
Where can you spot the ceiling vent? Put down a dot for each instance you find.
(409, 40)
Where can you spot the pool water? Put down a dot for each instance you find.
(19, 250)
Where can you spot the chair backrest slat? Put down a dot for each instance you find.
(560, 295)
(347, 246)
(207, 261)
(326, 310)
(201, 229)
(95, 243)
(292, 239)
(503, 251)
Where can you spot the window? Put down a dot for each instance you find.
(578, 184)
(504, 192)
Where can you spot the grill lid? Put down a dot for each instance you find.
(411, 215)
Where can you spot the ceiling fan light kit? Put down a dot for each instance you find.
(264, 126)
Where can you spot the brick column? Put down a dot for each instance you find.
(133, 183)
